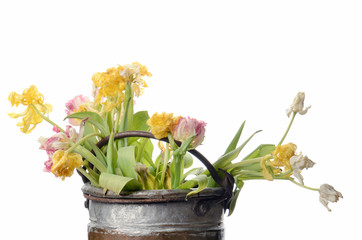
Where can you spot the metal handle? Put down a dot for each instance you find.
(227, 183)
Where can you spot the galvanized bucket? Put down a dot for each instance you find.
(155, 214)
(159, 214)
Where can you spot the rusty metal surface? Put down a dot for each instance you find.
(210, 235)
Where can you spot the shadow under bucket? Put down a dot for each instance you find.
(155, 214)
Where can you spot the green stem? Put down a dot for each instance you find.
(111, 119)
(45, 118)
(124, 123)
(140, 152)
(282, 175)
(177, 171)
(88, 176)
(85, 138)
(252, 178)
(178, 154)
(286, 132)
(118, 116)
(110, 154)
(166, 157)
(171, 141)
(301, 185)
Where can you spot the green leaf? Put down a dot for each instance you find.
(89, 129)
(144, 149)
(139, 124)
(239, 186)
(201, 181)
(194, 171)
(126, 161)
(212, 183)
(118, 183)
(110, 156)
(127, 118)
(182, 150)
(94, 119)
(261, 151)
(226, 159)
(129, 107)
(235, 140)
(109, 121)
(118, 171)
(148, 151)
(91, 158)
(99, 154)
(250, 167)
(93, 174)
(140, 121)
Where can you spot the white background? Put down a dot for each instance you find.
(220, 61)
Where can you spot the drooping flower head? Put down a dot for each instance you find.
(34, 102)
(64, 163)
(162, 123)
(327, 194)
(298, 163)
(134, 73)
(282, 155)
(298, 105)
(77, 104)
(59, 141)
(266, 167)
(110, 85)
(188, 127)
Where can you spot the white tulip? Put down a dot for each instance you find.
(298, 163)
(298, 105)
(328, 194)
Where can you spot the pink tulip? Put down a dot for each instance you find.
(75, 105)
(59, 141)
(188, 127)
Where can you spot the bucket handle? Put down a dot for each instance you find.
(227, 183)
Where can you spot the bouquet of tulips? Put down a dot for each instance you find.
(110, 145)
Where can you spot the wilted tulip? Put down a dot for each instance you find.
(77, 104)
(298, 163)
(188, 127)
(328, 194)
(298, 105)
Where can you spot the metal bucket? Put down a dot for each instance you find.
(155, 214)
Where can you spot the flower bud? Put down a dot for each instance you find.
(327, 194)
(298, 105)
(188, 127)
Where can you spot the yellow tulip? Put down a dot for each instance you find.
(110, 85)
(64, 163)
(35, 105)
(282, 155)
(161, 124)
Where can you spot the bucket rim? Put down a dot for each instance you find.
(146, 196)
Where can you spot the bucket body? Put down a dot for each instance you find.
(155, 214)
